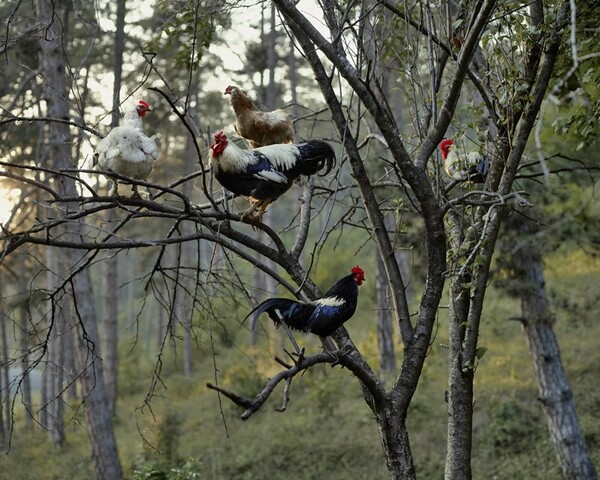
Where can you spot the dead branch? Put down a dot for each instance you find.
(253, 405)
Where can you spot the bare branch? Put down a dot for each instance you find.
(251, 406)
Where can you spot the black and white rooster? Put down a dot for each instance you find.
(322, 316)
(472, 166)
(264, 174)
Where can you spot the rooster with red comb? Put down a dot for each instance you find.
(126, 150)
(472, 166)
(322, 316)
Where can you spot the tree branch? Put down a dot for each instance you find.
(251, 406)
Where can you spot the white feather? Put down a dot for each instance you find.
(330, 302)
(127, 151)
(234, 159)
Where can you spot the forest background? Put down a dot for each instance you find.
(475, 335)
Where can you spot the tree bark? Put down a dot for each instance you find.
(190, 258)
(110, 325)
(105, 457)
(56, 368)
(23, 312)
(385, 330)
(110, 277)
(4, 390)
(460, 386)
(555, 394)
(396, 445)
(271, 93)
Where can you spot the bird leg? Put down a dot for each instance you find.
(255, 204)
(263, 208)
(114, 191)
(136, 193)
(251, 210)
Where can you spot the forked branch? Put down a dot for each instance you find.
(253, 405)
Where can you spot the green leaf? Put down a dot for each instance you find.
(480, 352)
(457, 23)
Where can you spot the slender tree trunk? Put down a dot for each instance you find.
(55, 369)
(385, 330)
(555, 394)
(460, 371)
(460, 389)
(105, 457)
(272, 61)
(68, 346)
(4, 390)
(110, 325)
(52, 401)
(190, 256)
(24, 327)
(293, 76)
(46, 390)
(110, 278)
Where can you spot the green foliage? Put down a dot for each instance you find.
(190, 470)
(187, 27)
(322, 387)
(512, 427)
(245, 378)
(577, 82)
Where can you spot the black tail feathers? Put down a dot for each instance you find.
(316, 155)
(270, 306)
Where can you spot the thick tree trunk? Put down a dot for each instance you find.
(394, 438)
(554, 390)
(105, 456)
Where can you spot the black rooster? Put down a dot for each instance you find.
(322, 316)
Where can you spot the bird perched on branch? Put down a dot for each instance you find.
(321, 317)
(472, 166)
(264, 174)
(257, 127)
(126, 150)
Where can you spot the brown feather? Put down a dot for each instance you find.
(258, 127)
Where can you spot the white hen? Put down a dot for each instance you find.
(126, 150)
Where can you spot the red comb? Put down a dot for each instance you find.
(446, 142)
(358, 270)
(144, 104)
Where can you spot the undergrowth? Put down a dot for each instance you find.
(328, 432)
